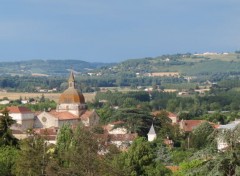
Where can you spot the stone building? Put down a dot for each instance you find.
(71, 109)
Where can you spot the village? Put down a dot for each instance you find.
(72, 110)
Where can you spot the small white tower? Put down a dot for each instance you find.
(151, 134)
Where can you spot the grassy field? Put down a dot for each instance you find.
(51, 96)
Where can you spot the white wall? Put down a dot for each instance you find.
(151, 137)
(50, 121)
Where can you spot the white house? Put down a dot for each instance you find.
(4, 102)
(22, 115)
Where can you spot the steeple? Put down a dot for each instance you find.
(152, 134)
(71, 80)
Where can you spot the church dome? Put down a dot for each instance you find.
(71, 96)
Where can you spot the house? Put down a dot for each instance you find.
(24, 101)
(118, 136)
(111, 129)
(168, 142)
(122, 141)
(221, 143)
(22, 115)
(189, 125)
(4, 102)
(174, 117)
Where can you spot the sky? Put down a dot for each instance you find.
(116, 30)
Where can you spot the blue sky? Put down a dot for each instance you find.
(112, 31)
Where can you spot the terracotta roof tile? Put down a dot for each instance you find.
(189, 125)
(18, 109)
(63, 115)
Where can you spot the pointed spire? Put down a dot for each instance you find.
(71, 80)
(152, 130)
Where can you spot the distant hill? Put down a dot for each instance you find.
(48, 67)
(134, 72)
(185, 64)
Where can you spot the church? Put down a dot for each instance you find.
(71, 109)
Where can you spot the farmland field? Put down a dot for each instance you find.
(51, 96)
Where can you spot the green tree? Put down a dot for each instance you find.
(166, 129)
(210, 161)
(64, 138)
(8, 155)
(77, 153)
(135, 120)
(33, 157)
(6, 137)
(140, 159)
(105, 113)
(200, 134)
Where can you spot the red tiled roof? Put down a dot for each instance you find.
(189, 125)
(18, 109)
(63, 115)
